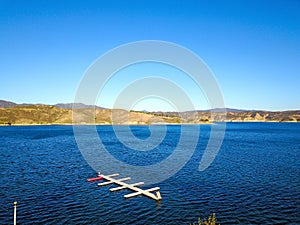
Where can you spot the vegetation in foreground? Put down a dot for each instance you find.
(211, 220)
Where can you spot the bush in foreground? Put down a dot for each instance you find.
(211, 220)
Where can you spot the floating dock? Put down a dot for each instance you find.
(133, 187)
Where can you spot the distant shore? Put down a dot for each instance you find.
(102, 124)
(64, 114)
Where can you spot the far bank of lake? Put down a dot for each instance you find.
(253, 180)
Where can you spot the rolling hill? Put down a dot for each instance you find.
(33, 114)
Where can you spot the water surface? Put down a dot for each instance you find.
(255, 178)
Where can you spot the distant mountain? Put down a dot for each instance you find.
(7, 104)
(76, 106)
(216, 110)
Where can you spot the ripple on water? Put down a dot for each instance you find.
(253, 180)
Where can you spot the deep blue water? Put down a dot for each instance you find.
(255, 178)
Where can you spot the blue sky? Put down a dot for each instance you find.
(252, 47)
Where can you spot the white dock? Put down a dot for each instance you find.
(133, 187)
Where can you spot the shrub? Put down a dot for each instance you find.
(211, 220)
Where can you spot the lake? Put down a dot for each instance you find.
(254, 179)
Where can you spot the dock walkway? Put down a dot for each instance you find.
(133, 187)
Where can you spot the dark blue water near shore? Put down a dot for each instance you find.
(255, 178)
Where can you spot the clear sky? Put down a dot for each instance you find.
(253, 47)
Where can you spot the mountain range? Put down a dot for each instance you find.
(26, 114)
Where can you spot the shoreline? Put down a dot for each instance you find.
(158, 124)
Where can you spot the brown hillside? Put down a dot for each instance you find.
(45, 114)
